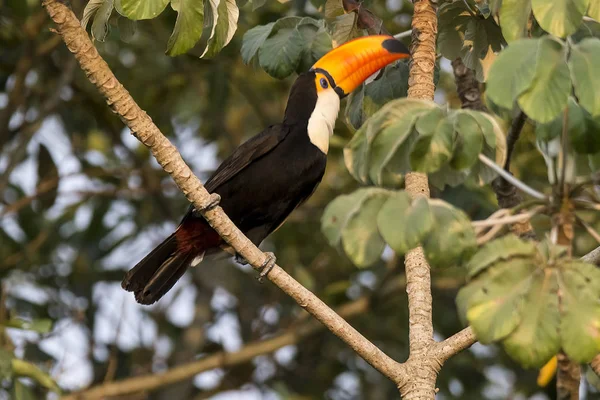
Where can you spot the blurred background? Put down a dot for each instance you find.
(82, 201)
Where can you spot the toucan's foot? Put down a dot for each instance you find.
(240, 260)
(267, 266)
(213, 202)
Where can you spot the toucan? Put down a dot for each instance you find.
(272, 173)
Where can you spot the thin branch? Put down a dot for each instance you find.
(511, 219)
(514, 181)
(222, 359)
(142, 127)
(453, 345)
(404, 34)
(593, 233)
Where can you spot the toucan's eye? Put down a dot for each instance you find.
(324, 83)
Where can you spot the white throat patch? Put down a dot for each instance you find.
(322, 119)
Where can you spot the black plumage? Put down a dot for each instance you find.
(260, 184)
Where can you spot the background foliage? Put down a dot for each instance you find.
(82, 201)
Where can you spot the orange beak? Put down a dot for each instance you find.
(350, 64)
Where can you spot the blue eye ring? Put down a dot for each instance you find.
(324, 83)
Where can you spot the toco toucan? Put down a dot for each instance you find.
(272, 173)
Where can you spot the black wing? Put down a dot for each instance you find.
(246, 153)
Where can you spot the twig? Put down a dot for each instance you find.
(142, 127)
(511, 179)
(404, 34)
(507, 219)
(222, 359)
(593, 233)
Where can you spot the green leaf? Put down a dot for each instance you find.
(473, 39)
(37, 325)
(225, 17)
(25, 368)
(6, 371)
(514, 17)
(351, 220)
(333, 8)
(280, 54)
(188, 26)
(100, 25)
(503, 249)
(344, 28)
(402, 224)
(575, 124)
(383, 142)
(89, 11)
(583, 62)
(451, 239)
(594, 10)
(47, 173)
(317, 42)
(547, 95)
(580, 322)
(363, 103)
(536, 339)
(141, 9)
(253, 40)
(493, 302)
(559, 17)
(433, 147)
(22, 392)
(469, 141)
(512, 72)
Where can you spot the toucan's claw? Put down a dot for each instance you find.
(267, 266)
(240, 260)
(213, 202)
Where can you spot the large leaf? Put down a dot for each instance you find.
(451, 239)
(280, 53)
(100, 25)
(382, 144)
(559, 17)
(344, 28)
(513, 72)
(433, 148)
(474, 39)
(580, 324)
(403, 225)
(188, 26)
(583, 63)
(254, 39)
(225, 15)
(505, 248)
(514, 17)
(140, 9)
(536, 339)
(547, 96)
(367, 100)
(493, 302)
(350, 221)
(469, 141)
(317, 42)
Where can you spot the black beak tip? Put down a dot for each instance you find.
(395, 46)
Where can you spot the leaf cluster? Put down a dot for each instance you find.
(533, 299)
(361, 223)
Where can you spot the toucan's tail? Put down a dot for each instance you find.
(156, 274)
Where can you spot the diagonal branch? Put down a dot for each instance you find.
(142, 127)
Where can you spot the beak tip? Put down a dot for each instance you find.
(395, 46)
